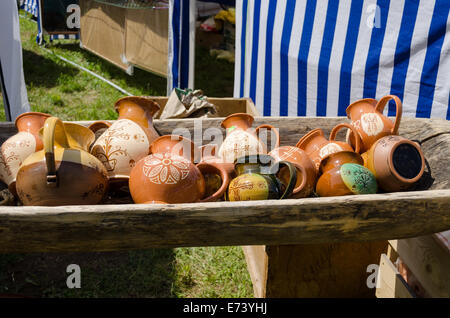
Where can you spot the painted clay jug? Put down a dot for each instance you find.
(128, 139)
(317, 146)
(256, 179)
(306, 172)
(241, 140)
(169, 175)
(367, 117)
(396, 162)
(64, 172)
(19, 146)
(343, 173)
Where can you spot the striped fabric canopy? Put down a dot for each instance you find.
(315, 57)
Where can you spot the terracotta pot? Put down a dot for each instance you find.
(396, 162)
(306, 172)
(128, 139)
(19, 146)
(64, 172)
(343, 173)
(241, 140)
(317, 146)
(367, 117)
(169, 175)
(256, 179)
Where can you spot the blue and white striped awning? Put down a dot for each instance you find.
(315, 57)
(30, 6)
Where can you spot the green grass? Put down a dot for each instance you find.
(62, 90)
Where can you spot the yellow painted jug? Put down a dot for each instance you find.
(64, 172)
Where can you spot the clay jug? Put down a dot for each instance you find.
(396, 162)
(256, 179)
(306, 172)
(343, 173)
(128, 139)
(241, 140)
(367, 117)
(169, 175)
(317, 146)
(64, 172)
(19, 146)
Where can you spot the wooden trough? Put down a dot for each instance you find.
(311, 247)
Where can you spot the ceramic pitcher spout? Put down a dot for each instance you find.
(350, 108)
(177, 145)
(239, 120)
(138, 109)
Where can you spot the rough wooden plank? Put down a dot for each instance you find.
(428, 262)
(390, 283)
(302, 221)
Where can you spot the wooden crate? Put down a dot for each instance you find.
(317, 247)
(424, 265)
(225, 106)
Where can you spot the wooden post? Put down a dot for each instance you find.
(316, 270)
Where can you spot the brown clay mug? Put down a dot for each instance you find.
(343, 173)
(306, 172)
(256, 179)
(367, 117)
(396, 162)
(317, 146)
(168, 174)
(241, 139)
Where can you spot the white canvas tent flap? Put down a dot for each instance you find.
(14, 91)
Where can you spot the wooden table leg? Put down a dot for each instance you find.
(317, 270)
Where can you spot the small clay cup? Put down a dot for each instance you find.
(396, 162)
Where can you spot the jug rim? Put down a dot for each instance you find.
(310, 134)
(148, 104)
(347, 110)
(248, 117)
(18, 118)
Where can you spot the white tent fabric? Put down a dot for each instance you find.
(181, 59)
(315, 57)
(14, 91)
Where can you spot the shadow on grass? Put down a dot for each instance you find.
(142, 80)
(44, 72)
(131, 274)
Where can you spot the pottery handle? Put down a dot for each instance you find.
(272, 128)
(292, 176)
(304, 179)
(398, 104)
(54, 132)
(335, 130)
(204, 168)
